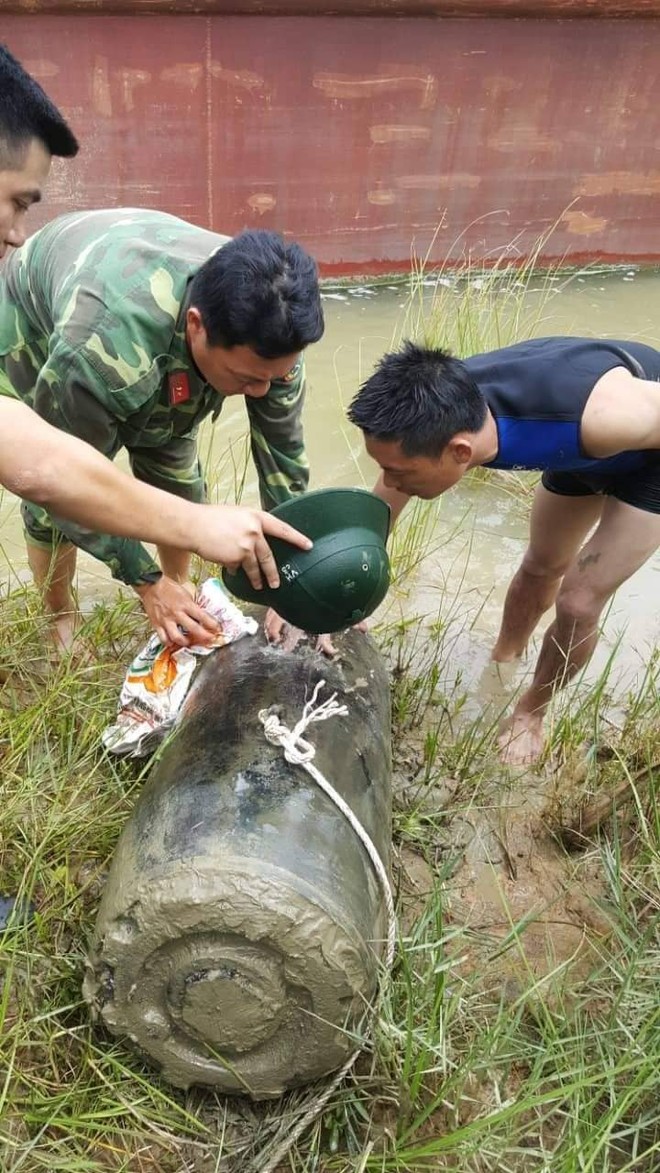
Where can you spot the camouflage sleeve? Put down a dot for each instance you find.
(6, 388)
(276, 438)
(69, 406)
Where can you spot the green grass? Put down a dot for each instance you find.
(467, 1069)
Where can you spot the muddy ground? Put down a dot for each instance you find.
(509, 865)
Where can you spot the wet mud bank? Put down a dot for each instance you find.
(525, 906)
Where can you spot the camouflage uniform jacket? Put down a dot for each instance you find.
(92, 319)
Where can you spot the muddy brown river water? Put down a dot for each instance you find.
(480, 528)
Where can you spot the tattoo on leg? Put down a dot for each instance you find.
(588, 560)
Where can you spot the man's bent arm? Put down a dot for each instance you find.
(69, 477)
(397, 501)
(276, 438)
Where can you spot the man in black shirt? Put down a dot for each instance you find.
(586, 412)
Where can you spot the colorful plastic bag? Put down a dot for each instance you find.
(160, 676)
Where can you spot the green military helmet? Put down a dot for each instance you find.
(345, 575)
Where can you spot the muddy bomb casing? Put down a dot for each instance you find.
(242, 922)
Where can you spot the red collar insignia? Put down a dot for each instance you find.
(178, 388)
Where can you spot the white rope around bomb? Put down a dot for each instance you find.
(300, 752)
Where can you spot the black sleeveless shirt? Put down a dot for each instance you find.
(537, 391)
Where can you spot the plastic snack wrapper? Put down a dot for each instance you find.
(160, 676)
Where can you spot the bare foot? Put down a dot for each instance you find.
(64, 638)
(63, 627)
(521, 739)
(501, 654)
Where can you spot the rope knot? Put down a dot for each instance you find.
(297, 750)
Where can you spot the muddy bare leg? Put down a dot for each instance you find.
(567, 646)
(53, 571)
(624, 539)
(558, 526)
(528, 598)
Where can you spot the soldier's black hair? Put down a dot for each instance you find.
(27, 113)
(421, 398)
(259, 291)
